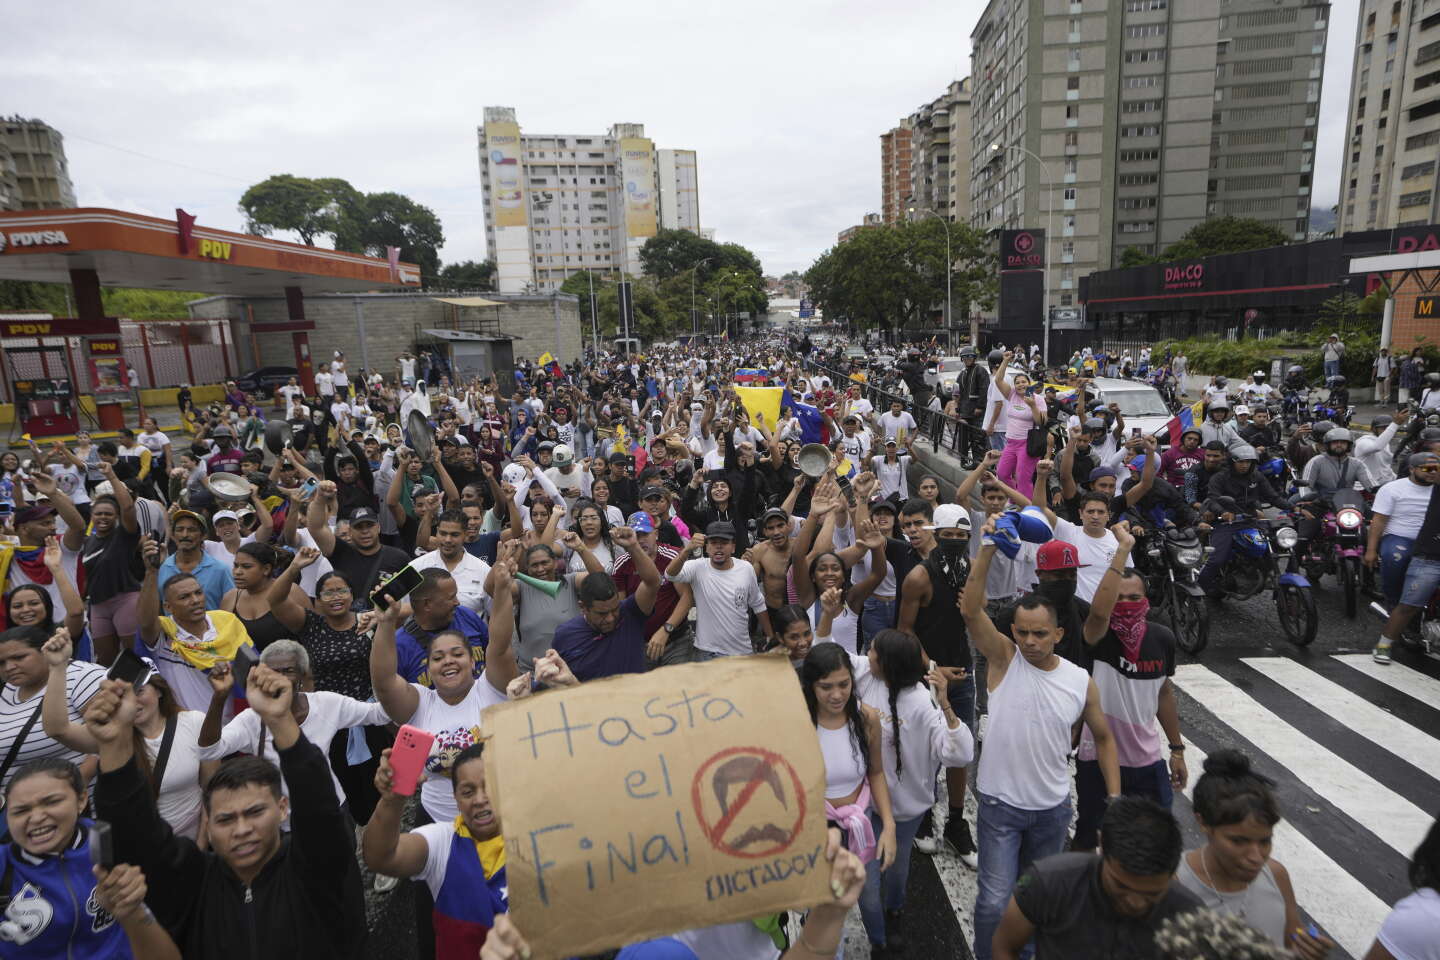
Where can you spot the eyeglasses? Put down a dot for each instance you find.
(334, 594)
(1431, 468)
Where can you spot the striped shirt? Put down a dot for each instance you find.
(82, 680)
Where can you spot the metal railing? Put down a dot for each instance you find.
(949, 434)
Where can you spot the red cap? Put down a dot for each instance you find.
(1058, 555)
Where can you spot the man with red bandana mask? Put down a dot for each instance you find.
(1132, 663)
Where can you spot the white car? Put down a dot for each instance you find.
(1140, 404)
(942, 373)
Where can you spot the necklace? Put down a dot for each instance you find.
(1244, 905)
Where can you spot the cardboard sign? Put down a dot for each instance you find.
(642, 805)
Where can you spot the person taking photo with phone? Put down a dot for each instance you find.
(257, 892)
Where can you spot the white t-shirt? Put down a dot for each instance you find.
(893, 477)
(1404, 501)
(995, 422)
(895, 425)
(311, 574)
(286, 392)
(861, 407)
(469, 574)
(324, 384)
(180, 791)
(857, 448)
(70, 481)
(338, 374)
(455, 727)
(407, 369)
(82, 681)
(722, 600)
(439, 841)
(219, 551)
(329, 714)
(1097, 552)
(1409, 933)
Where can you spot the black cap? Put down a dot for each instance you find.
(654, 490)
(773, 512)
(720, 529)
(885, 503)
(618, 457)
(363, 515)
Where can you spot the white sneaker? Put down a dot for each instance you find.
(384, 884)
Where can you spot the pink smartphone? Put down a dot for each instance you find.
(407, 759)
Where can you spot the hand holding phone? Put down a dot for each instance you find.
(102, 845)
(407, 578)
(129, 667)
(245, 658)
(407, 758)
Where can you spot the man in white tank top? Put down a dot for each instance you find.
(1023, 790)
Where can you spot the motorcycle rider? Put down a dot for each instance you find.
(1217, 425)
(1373, 449)
(1323, 475)
(1430, 397)
(1257, 389)
(1240, 488)
(1197, 479)
(1339, 399)
(1179, 458)
(1422, 577)
(1306, 442)
(1151, 504)
(1262, 433)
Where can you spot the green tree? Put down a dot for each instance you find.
(1225, 235)
(579, 284)
(1135, 257)
(468, 275)
(287, 202)
(394, 220)
(672, 252)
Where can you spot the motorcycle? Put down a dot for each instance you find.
(1410, 438)
(1260, 561)
(1340, 546)
(1175, 556)
(1336, 415)
(1295, 403)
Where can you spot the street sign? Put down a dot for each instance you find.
(807, 309)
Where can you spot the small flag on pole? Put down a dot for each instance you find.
(1186, 419)
(551, 366)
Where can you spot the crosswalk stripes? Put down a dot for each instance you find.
(1350, 742)
(1394, 819)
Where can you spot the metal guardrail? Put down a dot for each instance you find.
(961, 439)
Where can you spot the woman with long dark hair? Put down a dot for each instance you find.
(828, 572)
(918, 738)
(250, 598)
(31, 605)
(593, 527)
(1233, 872)
(792, 626)
(166, 739)
(849, 734)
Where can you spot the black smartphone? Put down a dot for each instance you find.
(102, 845)
(129, 667)
(407, 578)
(245, 658)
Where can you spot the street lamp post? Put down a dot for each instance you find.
(1049, 234)
(594, 324)
(694, 317)
(949, 270)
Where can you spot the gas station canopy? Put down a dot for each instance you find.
(133, 250)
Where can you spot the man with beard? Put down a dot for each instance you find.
(462, 862)
(1178, 459)
(1399, 512)
(929, 596)
(187, 529)
(435, 608)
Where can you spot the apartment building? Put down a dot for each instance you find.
(1124, 124)
(557, 204)
(895, 172)
(939, 141)
(1388, 178)
(41, 176)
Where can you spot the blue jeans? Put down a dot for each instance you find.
(1332, 369)
(876, 616)
(1222, 540)
(1010, 839)
(1421, 582)
(997, 441)
(886, 891)
(1394, 561)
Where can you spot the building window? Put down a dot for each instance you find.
(1134, 156)
(1145, 30)
(1143, 130)
(1142, 6)
(1072, 83)
(1418, 199)
(1136, 203)
(1424, 110)
(1139, 106)
(1147, 80)
(1359, 111)
(1069, 193)
(1067, 248)
(1414, 170)
(1072, 111)
(1137, 226)
(1069, 221)
(1138, 179)
(1422, 140)
(1145, 56)
(1072, 139)
(1072, 164)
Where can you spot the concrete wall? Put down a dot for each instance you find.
(391, 323)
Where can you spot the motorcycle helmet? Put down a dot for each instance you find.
(1337, 381)
(1189, 430)
(1338, 435)
(1243, 451)
(968, 351)
(1295, 372)
(1381, 422)
(995, 358)
(1321, 427)
(1219, 403)
(1259, 376)
(1273, 468)
(1432, 381)
(1221, 381)
(1430, 435)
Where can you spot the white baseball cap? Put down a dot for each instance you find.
(224, 515)
(950, 515)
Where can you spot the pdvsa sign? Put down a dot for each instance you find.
(34, 238)
(215, 250)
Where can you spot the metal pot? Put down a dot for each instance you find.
(277, 436)
(229, 487)
(814, 460)
(421, 435)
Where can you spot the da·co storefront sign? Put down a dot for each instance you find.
(1022, 249)
(1184, 276)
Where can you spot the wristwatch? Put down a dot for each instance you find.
(668, 627)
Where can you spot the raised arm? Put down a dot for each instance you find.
(290, 614)
(997, 648)
(147, 607)
(644, 567)
(55, 712)
(75, 524)
(398, 697)
(384, 848)
(1097, 624)
(123, 500)
(70, 597)
(966, 488)
(500, 665)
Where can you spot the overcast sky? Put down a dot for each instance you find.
(783, 99)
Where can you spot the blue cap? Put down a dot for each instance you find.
(640, 522)
(1099, 472)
